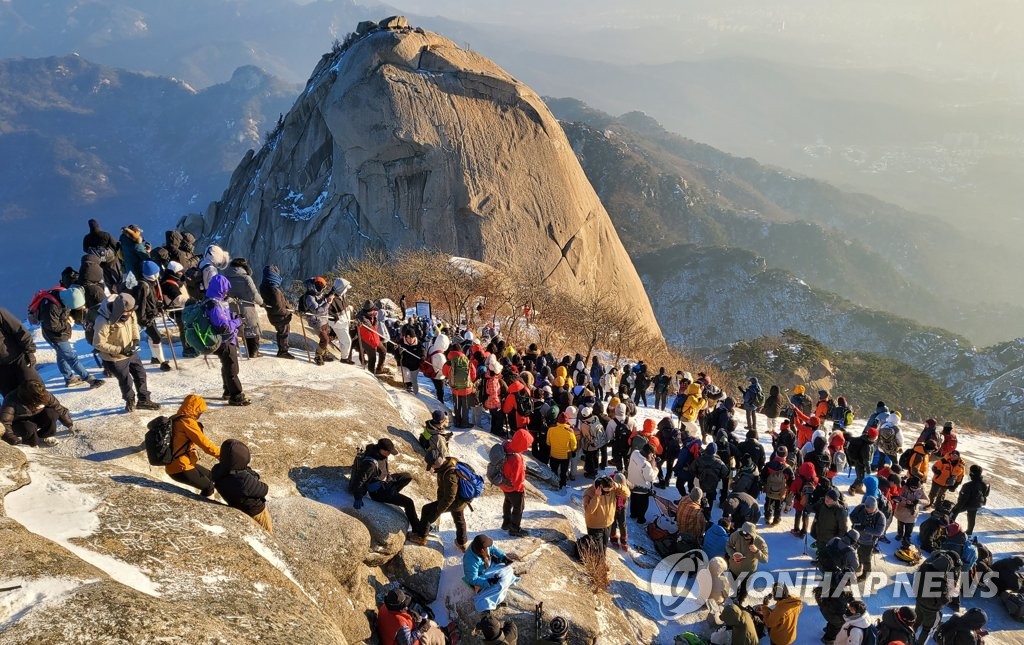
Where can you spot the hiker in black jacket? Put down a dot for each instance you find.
(97, 239)
(973, 496)
(55, 322)
(278, 308)
(371, 476)
(240, 485)
(751, 447)
(897, 625)
(92, 280)
(17, 353)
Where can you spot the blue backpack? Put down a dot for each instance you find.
(869, 634)
(471, 485)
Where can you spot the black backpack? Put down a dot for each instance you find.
(159, 437)
(830, 556)
(759, 627)
(524, 403)
(193, 279)
(359, 466)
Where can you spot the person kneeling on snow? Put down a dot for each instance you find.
(489, 571)
(240, 485)
(188, 433)
(29, 415)
(397, 624)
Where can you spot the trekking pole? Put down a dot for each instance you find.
(6, 589)
(538, 618)
(243, 343)
(305, 338)
(170, 339)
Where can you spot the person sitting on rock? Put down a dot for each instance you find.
(188, 434)
(448, 501)
(489, 572)
(371, 476)
(558, 632)
(398, 624)
(494, 633)
(29, 415)
(240, 485)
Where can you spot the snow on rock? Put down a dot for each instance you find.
(34, 594)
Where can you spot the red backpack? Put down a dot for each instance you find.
(37, 300)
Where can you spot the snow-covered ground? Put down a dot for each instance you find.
(65, 515)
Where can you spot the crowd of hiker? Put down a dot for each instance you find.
(574, 414)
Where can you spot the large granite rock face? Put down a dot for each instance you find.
(402, 139)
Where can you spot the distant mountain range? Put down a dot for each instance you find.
(663, 189)
(95, 141)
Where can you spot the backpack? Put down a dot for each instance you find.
(745, 482)
(775, 484)
(89, 323)
(496, 466)
(620, 438)
(806, 490)
(198, 332)
(427, 368)
(869, 634)
(759, 399)
(689, 638)
(359, 465)
(905, 458)
(829, 556)
(688, 453)
(492, 387)
(1014, 603)
(524, 403)
(193, 279)
(471, 485)
(887, 440)
(762, 630)
(159, 436)
(839, 461)
(33, 305)
(460, 373)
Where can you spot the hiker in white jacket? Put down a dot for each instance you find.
(640, 475)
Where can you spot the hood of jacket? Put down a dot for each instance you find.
(807, 472)
(620, 412)
(731, 615)
(234, 454)
(693, 389)
(172, 239)
(272, 275)
(717, 566)
(219, 287)
(192, 406)
(871, 486)
(729, 403)
(188, 242)
(560, 371)
(341, 287)
(131, 234)
(94, 226)
(520, 441)
(974, 619)
(115, 306)
(440, 344)
(217, 256)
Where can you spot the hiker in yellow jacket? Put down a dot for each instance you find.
(694, 403)
(781, 620)
(562, 441)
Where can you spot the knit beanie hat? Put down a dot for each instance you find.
(907, 615)
(696, 495)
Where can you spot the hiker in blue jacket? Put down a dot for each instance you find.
(489, 571)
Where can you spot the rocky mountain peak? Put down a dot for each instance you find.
(403, 139)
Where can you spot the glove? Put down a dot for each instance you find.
(358, 504)
(494, 580)
(129, 351)
(30, 358)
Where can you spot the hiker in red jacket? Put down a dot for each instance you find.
(515, 474)
(515, 420)
(948, 444)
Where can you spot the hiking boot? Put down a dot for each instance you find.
(206, 492)
(614, 540)
(519, 532)
(147, 404)
(421, 540)
(797, 533)
(624, 543)
(462, 547)
(329, 358)
(49, 441)
(318, 360)
(165, 367)
(884, 540)
(129, 405)
(224, 396)
(94, 382)
(285, 355)
(239, 400)
(73, 381)
(505, 527)
(154, 361)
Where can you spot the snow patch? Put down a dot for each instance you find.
(32, 594)
(212, 528)
(60, 511)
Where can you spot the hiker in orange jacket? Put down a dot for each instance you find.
(187, 438)
(514, 472)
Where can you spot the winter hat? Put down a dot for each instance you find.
(751, 434)
(150, 270)
(872, 433)
(871, 503)
(975, 471)
(547, 390)
(782, 451)
(489, 628)
(712, 449)
(559, 627)
(953, 529)
(648, 426)
(175, 267)
(822, 394)
(586, 412)
(433, 458)
(688, 377)
(799, 389)
(842, 400)
(913, 483)
(814, 421)
(930, 423)
(748, 529)
(396, 599)
(907, 615)
(947, 427)
(819, 443)
(930, 446)
(832, 494)
(437, 416)
(696, 495)
(562, 418)
(853, 535)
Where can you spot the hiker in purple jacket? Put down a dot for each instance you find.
(226, 324)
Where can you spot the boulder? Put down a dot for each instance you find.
(321, 534)
(117, 556)
(417, 568)
(387, 526)
(822, 369)
(394, 22)
(365, 27)
(457, 155)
